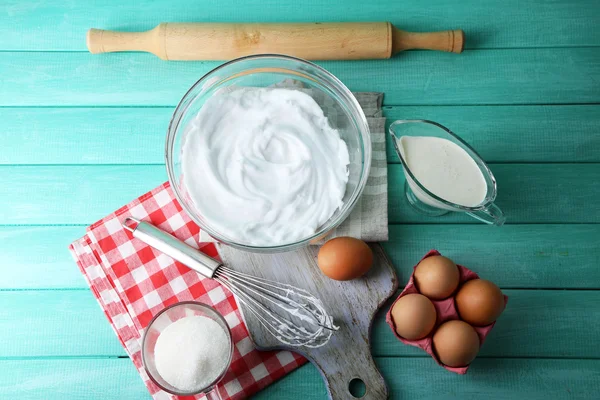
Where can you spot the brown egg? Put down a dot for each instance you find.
(414, 316)
(456, 343)
(345, 258)
(479, 302)
(437, 277)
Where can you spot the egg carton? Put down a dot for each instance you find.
(446, 311)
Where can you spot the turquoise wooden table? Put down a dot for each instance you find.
(80, 135)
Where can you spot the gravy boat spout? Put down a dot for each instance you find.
(421, 195)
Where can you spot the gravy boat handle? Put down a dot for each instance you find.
(490, 215)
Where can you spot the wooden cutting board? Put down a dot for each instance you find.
(352, 304)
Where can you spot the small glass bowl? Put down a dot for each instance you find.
(160, 322)
(343, 112)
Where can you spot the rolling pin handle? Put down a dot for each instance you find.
(105, 41)
(452, 41)
(457, 40)
(94, 41)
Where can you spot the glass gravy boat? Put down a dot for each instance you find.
(425, 201)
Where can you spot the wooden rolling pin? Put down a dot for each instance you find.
(312, 41)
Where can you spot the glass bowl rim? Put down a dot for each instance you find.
(359, 118)
(227, 331)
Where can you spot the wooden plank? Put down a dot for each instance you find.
(73, 379)
(54, 323)
(83, 135)
(515, 133)
(136, 135)
(74, 194)
(61, 26)
(515, 256)
(410, 378)
(528, 193)
(537, 323)
(420, 379)
(517, 76)
(36, 257)
(534, 324)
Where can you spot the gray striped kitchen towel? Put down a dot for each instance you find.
(368, 220)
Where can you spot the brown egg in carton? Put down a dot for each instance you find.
(446, 311)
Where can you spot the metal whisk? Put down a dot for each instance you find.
(290, 314)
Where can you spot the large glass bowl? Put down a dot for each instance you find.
(339, 105)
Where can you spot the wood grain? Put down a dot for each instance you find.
(528, 193)
(519, 76)
(59, 135)
(72, 195)
(515, 133)
(409, 378)
(187, 41)
(526, 92)
(54, 323)
(36, 257)
(73, 379)
(421, 379)
(515, 256)
(52, 25)
(196, 41)
(353, 305)
(452, 41)
(84, 135)
(537, 323)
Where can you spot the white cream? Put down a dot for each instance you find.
(445, 169)
(263, 166)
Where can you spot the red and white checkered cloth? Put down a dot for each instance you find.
(133, 282)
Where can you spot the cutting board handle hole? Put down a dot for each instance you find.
(357, 388)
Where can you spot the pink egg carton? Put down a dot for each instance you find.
(446, 311)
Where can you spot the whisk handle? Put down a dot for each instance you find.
(171, 246)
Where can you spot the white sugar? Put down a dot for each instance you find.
(191, 353)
